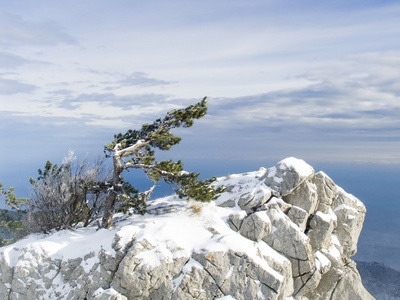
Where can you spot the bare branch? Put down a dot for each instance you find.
(163, 173)
(16, 208)
(146, 195)
(130, 150)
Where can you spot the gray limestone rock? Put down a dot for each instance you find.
(304, 283)
(350, 214)
(325, 187)
(321, 225)
(323, 264)
(228, 203)
(235, 220)
(287, 175)
(286, 238)
(278, 204)
(141, 281)
(251, 200)
(350, 286)
(304, 196)
(256, 226)
(298, 216)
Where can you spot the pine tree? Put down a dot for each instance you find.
(138, 146)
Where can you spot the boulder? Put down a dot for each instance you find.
(325, 187)
(251, 200)
(304, 196)
(235, 220)
(298, 216)
(256, 226)
(287, 175)
(321, 228)
(350, 213)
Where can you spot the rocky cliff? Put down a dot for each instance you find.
(280, 233)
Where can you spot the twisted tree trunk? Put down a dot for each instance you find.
(112, 192)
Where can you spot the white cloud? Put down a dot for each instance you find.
(141, 79)
(351, 99)
(10, 87)
(16, 31)
(293, 69)
(9, 60)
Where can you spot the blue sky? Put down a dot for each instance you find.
(318, 80)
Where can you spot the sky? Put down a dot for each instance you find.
(317, 80)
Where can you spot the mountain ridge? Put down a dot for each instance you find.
(380, 280)
(284, 232)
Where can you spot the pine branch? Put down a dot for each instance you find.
(170, 176)
(130, 150)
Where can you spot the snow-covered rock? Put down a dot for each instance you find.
(278, 233)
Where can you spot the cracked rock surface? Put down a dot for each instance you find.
(280, 233)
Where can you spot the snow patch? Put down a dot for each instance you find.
(229, 297)
(326, 217)
(321, 261)
(66, 244)
(229, 274)
(187, 268)
(345, 206)
(301, 167)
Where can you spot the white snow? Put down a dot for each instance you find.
(187, 268)
(275, 200)
(229, 274)
(66, 244)
(326, 217)
(89, 263)
(335, 240)
(302, 168)
(272, 172)
(229, 297)
(263, 216)
(259, 292)
(333, 249)
(126, 234)
(321, 261)
(354, 199)
(98, 292)
(172, 235)
(111, 292)
(345, 206)
(242, 183)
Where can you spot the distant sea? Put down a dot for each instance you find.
(377, 186)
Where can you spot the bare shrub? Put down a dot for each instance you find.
(67, 195)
